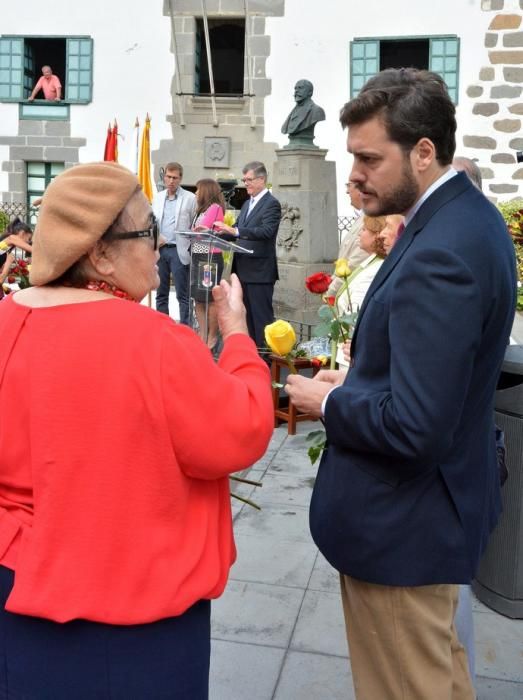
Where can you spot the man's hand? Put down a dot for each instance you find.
(229, 307)
(222, 227)
(334, 377)
(307, 394)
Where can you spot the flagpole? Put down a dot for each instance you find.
(137, 144)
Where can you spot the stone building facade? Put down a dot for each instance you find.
(497, 102)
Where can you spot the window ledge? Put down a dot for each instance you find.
(44, 110)
(226, 103)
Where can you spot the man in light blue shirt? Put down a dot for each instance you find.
(175, 209)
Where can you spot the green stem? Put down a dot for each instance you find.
(245, 481)
(246, 500)
(290, 364)
(334, 350)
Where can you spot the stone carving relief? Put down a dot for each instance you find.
(217, 151)
(290, 226)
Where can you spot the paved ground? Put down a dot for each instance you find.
(277, 630)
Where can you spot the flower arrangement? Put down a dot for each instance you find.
(18, 274)
(512, 212)
(335, 324)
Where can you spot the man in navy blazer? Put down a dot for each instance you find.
(256, 229)
(408, 490)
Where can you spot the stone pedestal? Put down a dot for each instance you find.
(305, 184)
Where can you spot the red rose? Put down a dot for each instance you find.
(318, 283)
(11, 279)
(330, 300)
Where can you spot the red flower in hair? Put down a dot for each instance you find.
(318, 283)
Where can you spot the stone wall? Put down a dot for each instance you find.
(43, 141)
(497, 102)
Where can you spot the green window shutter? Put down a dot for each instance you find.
(364, 63)
(29, 70)
(11, 68)
(444, 60)
(79, 70)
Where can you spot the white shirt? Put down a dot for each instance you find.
(254, 200)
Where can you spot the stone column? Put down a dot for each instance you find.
(305, 184)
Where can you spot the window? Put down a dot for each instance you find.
(227, 41)
(21, 60)
(439, 54)
(39, 175)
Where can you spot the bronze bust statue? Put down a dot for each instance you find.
(303, 118)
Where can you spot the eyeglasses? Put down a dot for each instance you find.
(151, 232)
(246, 180)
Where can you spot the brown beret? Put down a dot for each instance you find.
(77, 209)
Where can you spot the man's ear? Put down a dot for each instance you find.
(423, 155)
(100, 259)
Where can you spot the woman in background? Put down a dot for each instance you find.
(207, 264)
(17, 235)
(361, 278)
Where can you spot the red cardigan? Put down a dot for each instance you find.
(117, 435)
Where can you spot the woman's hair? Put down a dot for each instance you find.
(209, 192)
(18, 226)
(376, 224)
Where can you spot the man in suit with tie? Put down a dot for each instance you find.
(408, 489)
(256, 229)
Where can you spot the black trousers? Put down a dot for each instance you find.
(82, 660)
(258, 303)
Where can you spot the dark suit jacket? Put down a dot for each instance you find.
(408, 488)
(258, 233)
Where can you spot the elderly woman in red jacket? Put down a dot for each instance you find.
(115, 518)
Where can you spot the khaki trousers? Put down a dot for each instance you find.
(402, 642)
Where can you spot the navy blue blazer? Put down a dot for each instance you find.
(258, 233)
(408, 491)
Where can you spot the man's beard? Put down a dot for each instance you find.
(399, 199)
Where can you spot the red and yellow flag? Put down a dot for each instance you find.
(111, 143)
(144, 165)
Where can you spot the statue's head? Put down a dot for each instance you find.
(303, 90)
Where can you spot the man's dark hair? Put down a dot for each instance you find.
(413, 104)
(257, 167)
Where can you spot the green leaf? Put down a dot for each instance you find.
(335, 331)
(314, 453)
(325, 312)
(322, 330)
(316, 437)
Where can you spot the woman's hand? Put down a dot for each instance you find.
(229, 307)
